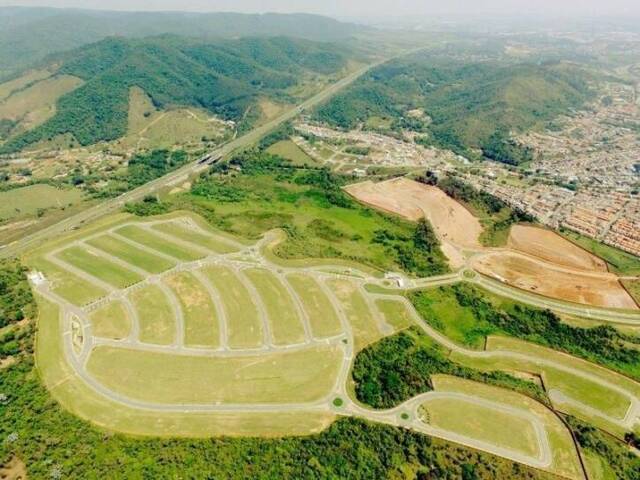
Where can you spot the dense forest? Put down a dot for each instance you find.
(470, 108)
(224, 77)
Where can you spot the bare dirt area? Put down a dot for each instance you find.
(591, 288)
(413, 200)
(551, 247)
(14, 470)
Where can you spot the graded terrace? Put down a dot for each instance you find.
(164, 326)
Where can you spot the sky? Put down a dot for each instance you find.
(364, 8)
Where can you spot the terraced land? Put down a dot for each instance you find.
(164, 327)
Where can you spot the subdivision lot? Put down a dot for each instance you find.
(322, 315)
(245, 325)
(130, 254)
(67, 285)
(148, 239)
(296, 377)
(201, 323)
(395, 313)
(111, 321)
(285, 324)
(98, 267)
(210, 242)
(156, 317)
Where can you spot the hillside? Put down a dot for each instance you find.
(224, 77)
(28, 35)
(462, 106)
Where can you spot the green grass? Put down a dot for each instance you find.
(70, 287)
(440, 309)
(110, 321)
(148, 239)
(482, 423)
(620, 262)
(322, 316)
(99, 267)
(210, 242)
(200, 318)
(244, 327)
(286, 326)
(363, 324)
(395, 313)
(27, 201)
(289, 150)
(296, 377)
(157, 321)
(130, 254)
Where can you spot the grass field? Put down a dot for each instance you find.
(148, 239)
(99, 268)
(289, 150)
(322, 316)
(286, 326)
(28, 201)
(363, 324)
(244, 325)
(130, 254)
(200, 319)
(21, 82)
(633, 287)
(156, 316)
(482, 423)
(110, 321)
(210, 242)
(395, 313)
(620, 262)
(68, 286)
(295, 377)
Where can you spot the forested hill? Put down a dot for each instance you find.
(224, 77)
(468, 106)
(28, 35)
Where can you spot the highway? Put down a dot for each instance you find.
(179, 175)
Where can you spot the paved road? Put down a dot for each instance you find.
(177, 176)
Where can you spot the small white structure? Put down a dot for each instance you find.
(37, 278)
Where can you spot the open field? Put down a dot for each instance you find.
(208, 241)
(27, 201)
(602, 289)
(413, 200)
(161, 245)
(7, 88)
(322, 316)
(289, 150)
(553, 248)
(130, 254)
(620, 262)
(99, 267)
(111, 321)
(156, 317)
(395, 313)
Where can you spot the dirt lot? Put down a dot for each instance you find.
(413, 200)
(591, 288)
(550, 246)
(14, 470)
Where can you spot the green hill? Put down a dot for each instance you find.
(224, 77)
(468, 106)
(28, 35)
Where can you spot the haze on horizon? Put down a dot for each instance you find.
(362, 8)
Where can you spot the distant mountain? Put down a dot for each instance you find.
(225, 77)
(28, 35)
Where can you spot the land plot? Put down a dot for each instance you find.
(551, 247)
(286, 326)
(210, 242)
(28, 200)
(322, 316)
(413, 200)
(99, 267)
(395, 313)
(130, 254)
(599, 289)
(148, 239)
(294, 377)
(481, 422)
(363, 323)
(111, 321)
(156, 317)
(69, 286)
(289, 150)
(201, 322)
(244, 325)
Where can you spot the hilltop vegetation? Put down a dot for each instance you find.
(28, 35)
(468, 107)
(225, 78)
